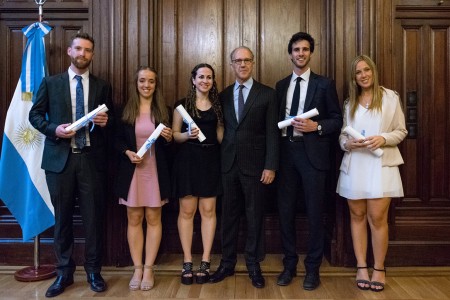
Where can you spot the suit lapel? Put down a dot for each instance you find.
(284, 88)
(251, 98)
(228, 106)
(312, 85)
(65, 91)
(92, 92)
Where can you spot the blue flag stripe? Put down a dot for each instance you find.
(29, 209)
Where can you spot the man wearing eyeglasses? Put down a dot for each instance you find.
(305, 156)
(249, 159)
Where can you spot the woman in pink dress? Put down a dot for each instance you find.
(143, 183)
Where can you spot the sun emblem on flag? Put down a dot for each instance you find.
(27, 137)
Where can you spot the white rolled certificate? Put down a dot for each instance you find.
(188, 120)
(151, 140)
(82, 122)
(306, 115)
(356, 135)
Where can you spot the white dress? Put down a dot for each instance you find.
(366, 178)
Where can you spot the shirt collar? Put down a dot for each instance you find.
(72, 74)
(248, 84)
(305, 76)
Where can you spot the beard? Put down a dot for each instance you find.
(80, 63)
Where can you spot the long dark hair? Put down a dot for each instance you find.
(213, 94)
(159, 112)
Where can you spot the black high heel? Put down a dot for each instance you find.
(375, 284)
(204, 271)
(365, 283)
(187, 276)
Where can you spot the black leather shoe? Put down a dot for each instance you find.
(312, 281)
(286, 277)
(96, 281)
(59, 286)
(257, 278)
(220, 274)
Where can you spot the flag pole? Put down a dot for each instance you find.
(36, 272)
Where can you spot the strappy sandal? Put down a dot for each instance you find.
(362, 284)
(147, 285)
(135, 283)
(202, 275)
(375, 284)
(187, 276)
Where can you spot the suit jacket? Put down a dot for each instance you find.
(393, 129)
(53, 107)
(253, 143)
(125, 139)
(321, 94)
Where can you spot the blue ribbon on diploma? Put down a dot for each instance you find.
(189, 124)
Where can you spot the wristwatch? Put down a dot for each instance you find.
(319, 129)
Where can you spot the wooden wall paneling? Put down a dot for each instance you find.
(279, 21)
(199, 32)
(167, 61)
(440, 90)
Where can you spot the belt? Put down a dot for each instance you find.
(293, 139)
(79, 151)
(202, 145)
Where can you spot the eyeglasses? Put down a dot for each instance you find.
(246, 61)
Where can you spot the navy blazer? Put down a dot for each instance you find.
(125, 139)
(321, 94)
(253, 143)
(53, 107)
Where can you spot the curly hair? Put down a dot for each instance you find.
(213, 95)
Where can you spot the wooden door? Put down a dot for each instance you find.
(421, 69)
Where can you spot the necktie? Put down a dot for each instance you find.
(294, 105)
(240, 102)
(80, 136)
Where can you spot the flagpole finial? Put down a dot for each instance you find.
(41, 4)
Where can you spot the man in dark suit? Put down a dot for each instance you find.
(250, 150)
(305, 156)
(74, 163)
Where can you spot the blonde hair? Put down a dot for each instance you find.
(159, 112)
(355, 90)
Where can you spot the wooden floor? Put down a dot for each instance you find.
(337, 283)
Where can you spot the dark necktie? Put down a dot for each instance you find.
(240, 102)
(294, 105)
(80, 136)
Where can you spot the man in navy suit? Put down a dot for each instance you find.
(305, 156)
(74, 167)
(249, 154)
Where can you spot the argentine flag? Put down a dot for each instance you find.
(23, 187)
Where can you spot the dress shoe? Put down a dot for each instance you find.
(312, 281)
(59, 286)
(220, 274)
(285, 277)
(96, 281)
(257, 278)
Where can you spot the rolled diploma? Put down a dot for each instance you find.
(356, 135)
(151, 139)
(306, 115)
(80, 123)
(188, 120)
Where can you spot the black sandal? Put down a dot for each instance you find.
(204, 272)
(187, 276)
(362, 281)
(375, 284)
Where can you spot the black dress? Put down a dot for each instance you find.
(197, 165)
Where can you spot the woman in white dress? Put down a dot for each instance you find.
(369, 181)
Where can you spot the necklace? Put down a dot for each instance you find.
(367, 101)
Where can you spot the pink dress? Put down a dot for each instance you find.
(144, 187)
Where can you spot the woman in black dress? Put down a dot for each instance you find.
(197, 167)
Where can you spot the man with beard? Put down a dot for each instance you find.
(305, 156)
(74, 162)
